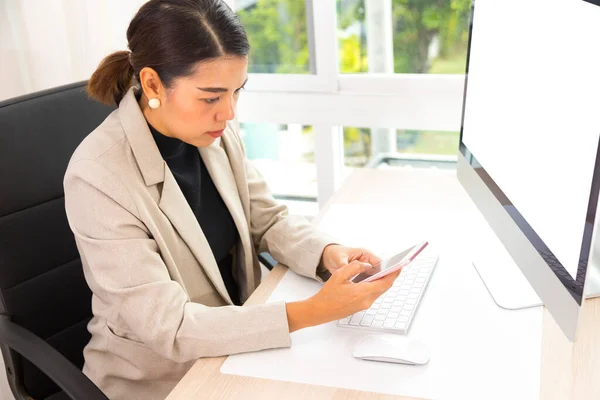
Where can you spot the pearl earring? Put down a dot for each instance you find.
(154, 103)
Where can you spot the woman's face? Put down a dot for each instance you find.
(195, 109)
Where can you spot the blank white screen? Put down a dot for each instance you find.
(532, 116)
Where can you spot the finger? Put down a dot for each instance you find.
(365, 255)
(352, 269)
(342, 260)
(370, 257)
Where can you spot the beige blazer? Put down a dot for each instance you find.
(159, 301)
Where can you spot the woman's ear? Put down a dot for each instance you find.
(151, 83)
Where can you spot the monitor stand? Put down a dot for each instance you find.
(508, 286)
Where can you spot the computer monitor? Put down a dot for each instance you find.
(529, 150)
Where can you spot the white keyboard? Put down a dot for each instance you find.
(394, 310)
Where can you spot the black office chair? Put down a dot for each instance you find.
(45, 303)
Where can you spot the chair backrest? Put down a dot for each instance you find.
(42, 287)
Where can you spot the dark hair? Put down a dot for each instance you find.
(171, 37)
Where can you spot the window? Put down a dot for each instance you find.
(285, 156)
(399, 148)
(278, 35)
(403, 36)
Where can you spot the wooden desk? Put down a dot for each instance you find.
(568, 371)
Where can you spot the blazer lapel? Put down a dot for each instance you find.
(218, 164)
(172, 202)
(176, 208)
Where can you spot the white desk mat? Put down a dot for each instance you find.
(479, 351)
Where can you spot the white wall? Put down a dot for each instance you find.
(55, 42)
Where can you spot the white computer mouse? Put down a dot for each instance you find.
(391, 348)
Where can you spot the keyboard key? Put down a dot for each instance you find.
(345, 321)
(386, 306)
(393, 315)
(403, 318)
(377, 323)
(389, 323)
(408, 307)
(379, 317)
(382, 311)
(400, 325)
(371, 311)
(406, 313)
(411, 301)
(413, 296)
(395, 309)
(367, 320)
(355, 320)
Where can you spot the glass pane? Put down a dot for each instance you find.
(277, 34)
(285, 156)
(399, 148)
(428, 36)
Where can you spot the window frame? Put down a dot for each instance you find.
(329, 100)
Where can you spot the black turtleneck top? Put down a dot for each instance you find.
(188, 168)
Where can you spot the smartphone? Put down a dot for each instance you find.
(391, 264)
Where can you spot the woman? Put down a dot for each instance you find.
(168, 214)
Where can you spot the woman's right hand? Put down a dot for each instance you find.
(339, 297)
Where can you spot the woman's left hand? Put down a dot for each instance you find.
(336, 256)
